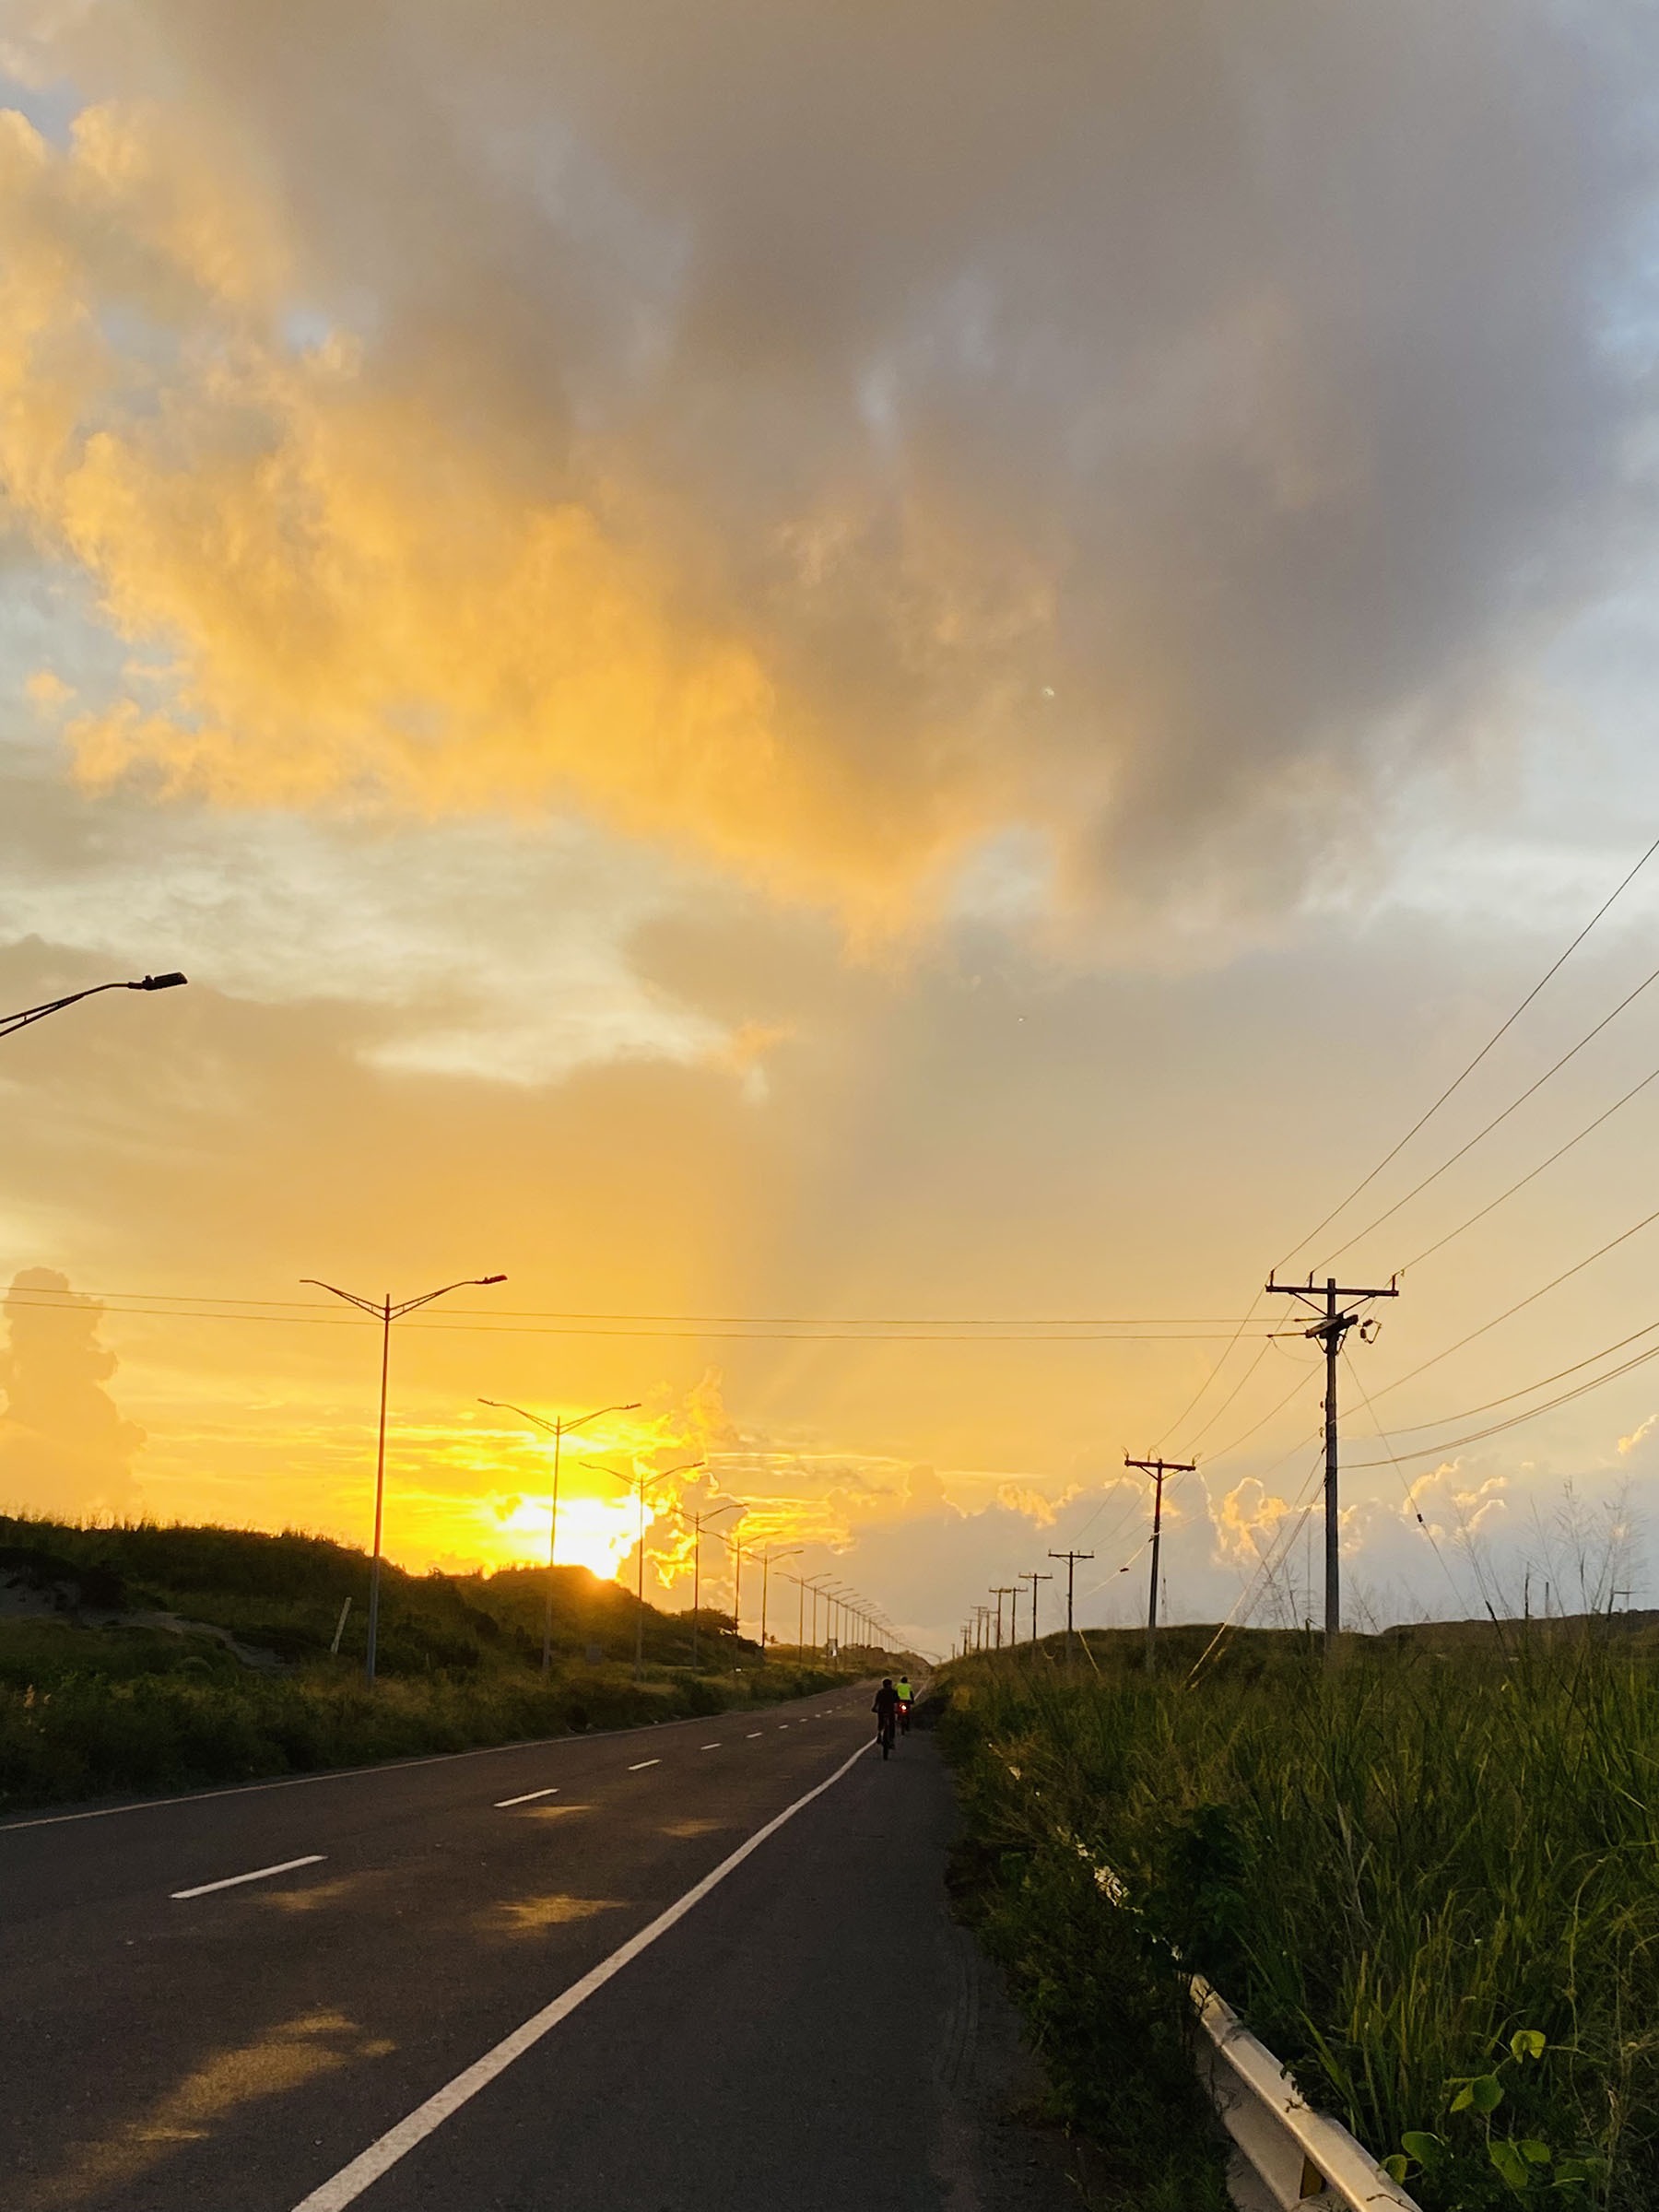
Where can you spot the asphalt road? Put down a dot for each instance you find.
(809, 2032)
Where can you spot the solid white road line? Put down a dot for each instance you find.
(366, 2169)
(234, 1881)
(639, 1765)
(502, 1802)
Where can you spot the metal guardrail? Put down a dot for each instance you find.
(1288, 2155)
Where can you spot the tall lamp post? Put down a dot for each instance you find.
(29, 1014)
(736, 1550)
(813, 1583)
(766, 1560)
(558, 1428)
(837, 1599)
(386, 1313)
(697, 1521)
(639, 1485)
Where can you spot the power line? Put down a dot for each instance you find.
(1533, 1297)
(1411, 1503)
(775, 1321)
(1533, 1173)
(1389, 1212)
(1468, 1070)
(644, 1334)
(1231, 1394)
(1533, 1413)
(1468, 1412)
(1215, 1371)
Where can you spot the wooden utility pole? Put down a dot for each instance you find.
(1158, 1469)
(1001, 1591)
(1034, 1580)
(1071, 1558)
(1330, 1329)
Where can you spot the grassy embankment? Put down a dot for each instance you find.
(1391, 1872)
(93, 1699)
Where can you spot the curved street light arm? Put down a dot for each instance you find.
(468, 1282)
(364, 1304)
(9, 1023)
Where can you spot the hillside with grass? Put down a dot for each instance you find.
(138, 1657)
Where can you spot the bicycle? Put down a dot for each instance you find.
(885, 1733)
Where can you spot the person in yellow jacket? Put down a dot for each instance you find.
(904, 1687)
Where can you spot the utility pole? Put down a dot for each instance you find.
(1001, 1591)
(1330, 1329)
(1034, 1580)
(1158, 1469)
(1071, 1558)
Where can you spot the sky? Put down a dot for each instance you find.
(874, 698)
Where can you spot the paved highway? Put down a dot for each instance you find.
(699, 1968)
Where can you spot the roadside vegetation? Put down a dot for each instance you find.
(143, 1658)
(1428, 1881)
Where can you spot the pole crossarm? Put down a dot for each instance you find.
(1341, 1303)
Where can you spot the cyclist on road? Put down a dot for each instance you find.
(905, 1700)
(886, 1709)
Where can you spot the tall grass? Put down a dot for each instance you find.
(1389, 1870)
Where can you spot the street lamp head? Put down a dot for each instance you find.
(160, 983)
(478, 1280)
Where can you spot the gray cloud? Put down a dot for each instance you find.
(1161, 425)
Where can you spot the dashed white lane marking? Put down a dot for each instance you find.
(753, 1737)
(529, 1796)
(349, 2183)
(639, 1765)
(708, 1747)
(783, 1725)
(260, 1874)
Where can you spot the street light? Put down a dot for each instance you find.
(766, 1560)
(385, 1312)
(812, 1582)
(638, 1483)
(558, 1428)
(10, 1023)
(696, 1520)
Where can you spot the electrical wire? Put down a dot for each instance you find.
(1468, 1070)
(1531, 1174)
(1231, 1394)
(1467, 1413)
(1533, 1413)
(1215, 1371)
(1290, 1527)
(647, 1332)
(1411, 1502)
(42, 1294)
(1389, 1212)
(1520, 1304)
